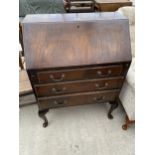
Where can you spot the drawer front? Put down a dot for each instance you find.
(78, 86)
(77, 99)
(79, 74)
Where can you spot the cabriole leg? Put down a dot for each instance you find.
(114, 105)
(42, 115)
(127, 122)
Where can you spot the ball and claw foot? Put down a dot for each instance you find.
(42, 115)
(114, 105)
(110, 116)
(45, 124)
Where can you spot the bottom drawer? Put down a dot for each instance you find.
(77, 99)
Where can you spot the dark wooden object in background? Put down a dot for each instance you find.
(21, 38)
(21, 62)
(79, 6)
(21, 53)
(75, 59)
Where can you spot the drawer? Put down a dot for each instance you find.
(79, 74)
(77, 99)
(78, 86)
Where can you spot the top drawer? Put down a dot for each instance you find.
(79, 74)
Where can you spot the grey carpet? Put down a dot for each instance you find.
(78, 130)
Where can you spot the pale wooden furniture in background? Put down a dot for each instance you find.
(111, 5)
(26, 95)
(24, 83)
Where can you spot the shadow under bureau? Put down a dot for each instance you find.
(76, 59)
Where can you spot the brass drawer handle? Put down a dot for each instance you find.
(59, 102)
(99, 99)
(58, 90)
(101, 87)
(57, 79)
(102, 75)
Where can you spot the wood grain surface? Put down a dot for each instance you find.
(70, 43)
(77, 99)
(43, 90)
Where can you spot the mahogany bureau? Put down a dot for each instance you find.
(75, 59)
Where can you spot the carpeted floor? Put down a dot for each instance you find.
(78, 130)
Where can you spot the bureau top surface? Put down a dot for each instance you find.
(65, 40)
(71, 17)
